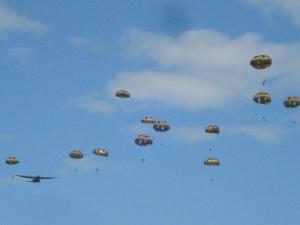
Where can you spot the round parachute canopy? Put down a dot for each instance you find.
(122, 94)
(291, 102)
(100, 152)
(143, 140)
(211, 162)
(262, 98)
(147, 119)
(212, 129)
(261, 61)
(76, 154)
(161, 126)
(11, 161)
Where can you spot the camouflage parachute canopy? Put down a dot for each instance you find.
(147, 119)
(213, 129)
(100, 152)
(261, 61)
(122, 94)
(291, 102)
(262, 98)
(76, 154)
(211, 162)
(143, 140)
(11, 161)
(161, 126)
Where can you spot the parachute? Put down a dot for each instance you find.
(143, 140)
(76, 154)
(213, 129)
(11, 161)
(261, 61)
(211, 162)
(262, 98)
(291, 102)
(100, 152)
(161, 126)
(147, 119)
(122, 94)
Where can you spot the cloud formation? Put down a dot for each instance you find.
(289, 8)
(90, 102)
(84, 42)
(11, 21)
(203, 69)
(264, 133)
(191, 134)
(22, 54)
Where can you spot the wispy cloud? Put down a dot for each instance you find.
(84, 42)
(191, 134)
(10, 21)
(22, 54)
(90, 102)
(179, 89)
(204, 68)
(264, 133)
(289, 8)
(200, 69)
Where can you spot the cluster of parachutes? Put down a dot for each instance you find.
(211, 161)
(262, 97)
(77, 154)
(263, 62)
(159, 126)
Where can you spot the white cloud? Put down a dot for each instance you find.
(205, 69)
(84, 42)
(191, 134)
(22, 54)
(184, 90)
(91, 103)
(264, 133)
(11, 21)
(290, 8)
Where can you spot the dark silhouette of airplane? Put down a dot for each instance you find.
(35, 179)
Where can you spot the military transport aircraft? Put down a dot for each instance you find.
(35, 179)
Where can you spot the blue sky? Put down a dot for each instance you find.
(186, 63)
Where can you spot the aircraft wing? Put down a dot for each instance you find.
(47, 177)
(30, 177)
